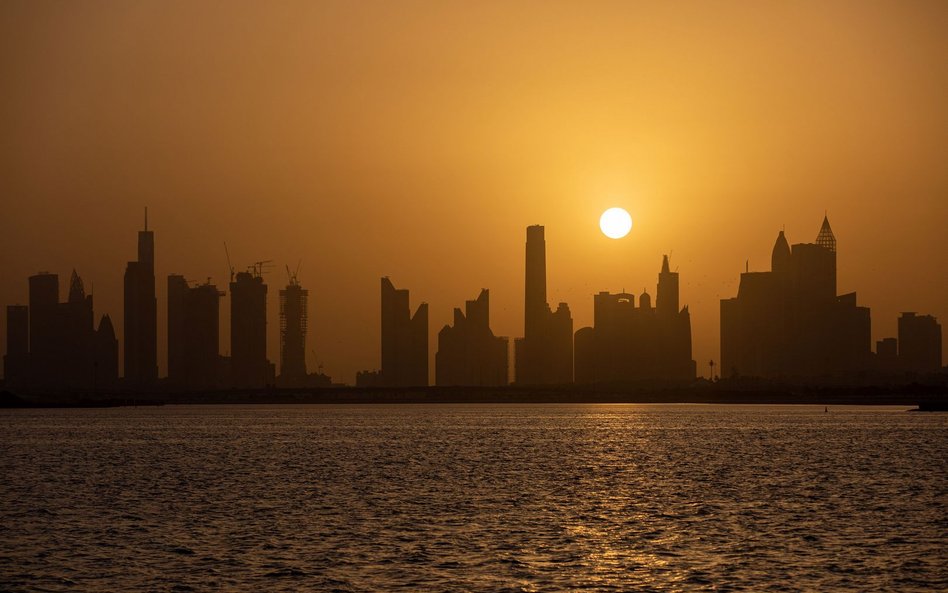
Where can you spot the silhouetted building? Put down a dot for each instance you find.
(629, 343)
(44, 329)
(105, 362)
(468, 352)
(404, 339)
(789, 322)
(177, 295)
(294, 320)
(250, 368)
(141, 314)
(194, 360)
(61, 349)
(76, 355)
(16, 362)
(919, 343)
(545, 353)
(202, 364)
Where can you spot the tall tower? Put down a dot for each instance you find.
(666, 301)
(536, 308)
(294, 301)
(76, 336)
(141, 313)
(44, 324)
(545, 353)
(248, 331)
(404, 339)
(105, 363)
(193, 334)
(202, 337)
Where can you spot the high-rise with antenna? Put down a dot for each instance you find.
(141, 313)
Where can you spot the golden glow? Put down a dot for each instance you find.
(419, 141)
(615, 223)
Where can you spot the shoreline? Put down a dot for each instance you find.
(927, 397)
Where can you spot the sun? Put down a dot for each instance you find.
(615, 223)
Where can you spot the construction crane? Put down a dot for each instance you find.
(258, 267)
(229, 266)
(293, 276)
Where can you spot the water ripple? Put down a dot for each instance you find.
(473, 498)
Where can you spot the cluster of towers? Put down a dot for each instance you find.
(52, 346)
(786, 323)
(627, 344)
(789, 323)
(56, 346)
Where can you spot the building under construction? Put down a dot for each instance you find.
(294, 301)
(250, 368)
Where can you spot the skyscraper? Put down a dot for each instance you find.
(194, 360)
(250, 368)
(202, 360)
(44, 326)
(789, 322)
(545, 353)
(468, 352)
(105, 364)
(404, 339)
(294, 319)
(76, 357)
(141, 314)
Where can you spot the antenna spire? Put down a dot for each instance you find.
(146, 218)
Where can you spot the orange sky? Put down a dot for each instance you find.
(417, 140)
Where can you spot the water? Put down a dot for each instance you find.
(474, 498)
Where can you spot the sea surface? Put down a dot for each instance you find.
(474, 498)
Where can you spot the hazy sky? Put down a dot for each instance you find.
(418, 140)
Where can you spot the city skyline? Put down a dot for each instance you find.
(372, 141)
(432, 295)
(787, 322)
